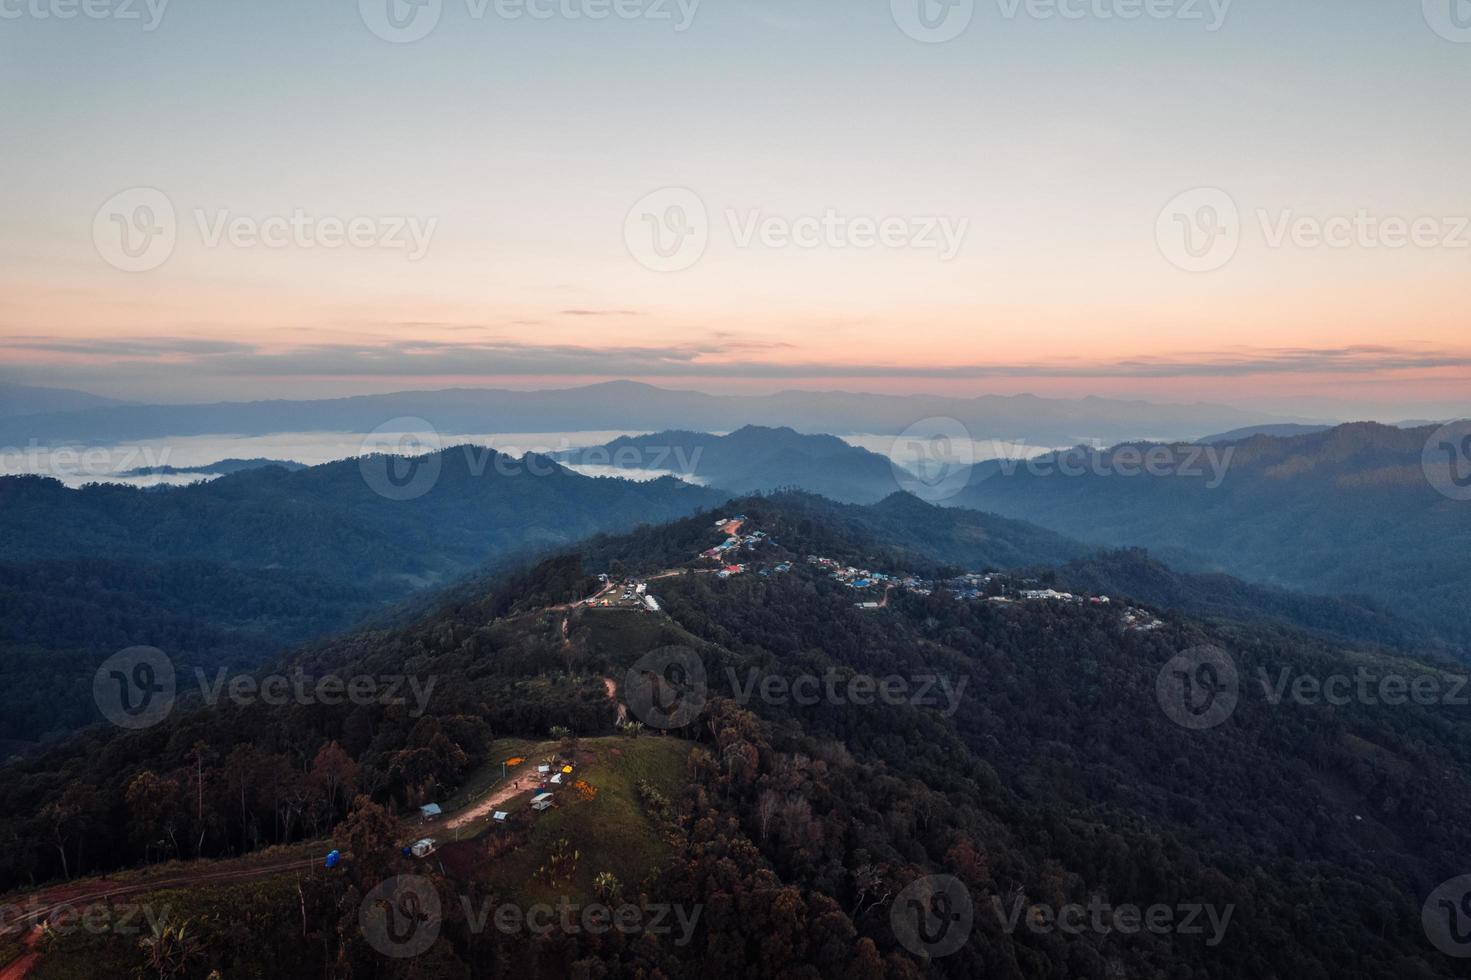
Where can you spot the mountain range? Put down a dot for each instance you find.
(631, 406)
(1051, 775)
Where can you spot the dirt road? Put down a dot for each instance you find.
(74, 899)
(487, 804)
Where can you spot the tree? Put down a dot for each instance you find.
(371, 836)
(153, 805)
(333, 773)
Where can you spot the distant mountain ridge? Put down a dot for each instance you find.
(1347, 511)
(330, 520)
(219, 467)
(639, 407)
(28, 400)
(752, 459)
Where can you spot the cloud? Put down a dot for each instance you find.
(719, 355)
(150, 347)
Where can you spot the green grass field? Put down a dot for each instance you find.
(612, 831)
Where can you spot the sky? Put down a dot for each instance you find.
(1256, 202)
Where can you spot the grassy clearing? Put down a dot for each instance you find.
(612, 831)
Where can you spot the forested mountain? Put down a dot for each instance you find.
(451, 512)
(1042, 768)
(753, 459)
(233, 572)
(60, 618)
(1344, 512)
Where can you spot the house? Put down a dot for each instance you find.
(866, 605)
(423, 848)
(651, 603)
(430, 811)
(500, 816)
(543, 769)
(556, 779)
(541, 801)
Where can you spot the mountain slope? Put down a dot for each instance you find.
(1046, 774)
(1344, 512)
(330, 519)
(18, 400)
(752, 459)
